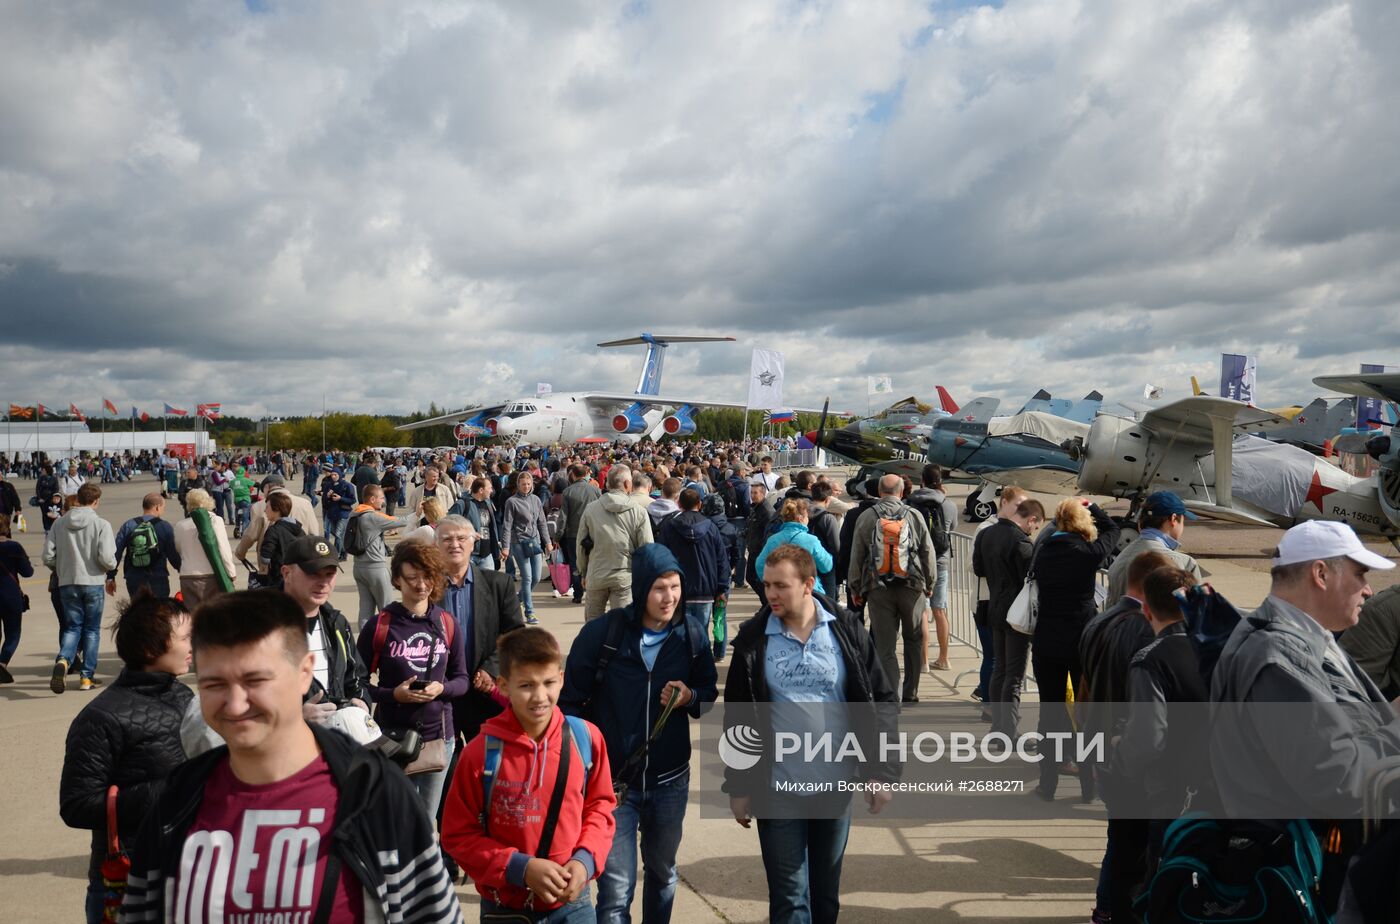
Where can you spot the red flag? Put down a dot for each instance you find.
(74, 412)
(109, 407)
(208, 411)
(43, 411)
(145, 417)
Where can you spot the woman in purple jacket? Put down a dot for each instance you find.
(417, 662)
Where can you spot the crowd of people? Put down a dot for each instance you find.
(540, 773)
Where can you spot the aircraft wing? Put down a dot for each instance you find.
(1383, 385)
(1228, 514)
(616, 400)
(1206, 423)
(1040, 479)
(451, 417)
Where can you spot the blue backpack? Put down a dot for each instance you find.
(1208, 873)
(583, 743)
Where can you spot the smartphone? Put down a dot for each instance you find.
(418, 685)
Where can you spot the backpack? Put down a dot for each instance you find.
(356, 543)
(556, 521)
(381, 635)
(1210, 620)
(583, 743)
(143, 545)
(730, 494)
(1209, 872)
(938, 529)
(890, 552)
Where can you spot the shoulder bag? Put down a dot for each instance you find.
(1025, 609)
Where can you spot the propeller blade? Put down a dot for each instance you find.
(821, 424)
(1351, 442)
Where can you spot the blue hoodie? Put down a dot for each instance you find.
(629, 699)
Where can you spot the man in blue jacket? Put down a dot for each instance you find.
(147, 565)
(621, 672)
(703, 555)
(338, 498)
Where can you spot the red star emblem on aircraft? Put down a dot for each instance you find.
(1317, 491)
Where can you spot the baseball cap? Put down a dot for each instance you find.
(273, 479)
(1319, 539)
(312, 553)
(1165, 504)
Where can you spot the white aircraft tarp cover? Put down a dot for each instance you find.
(1272, 476)
(1039, 424)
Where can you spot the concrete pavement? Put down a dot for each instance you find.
(989, 872)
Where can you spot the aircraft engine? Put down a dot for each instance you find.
(630, 421)
(1386, 451)
(1117, 456)
(492, 425)
(677, 425)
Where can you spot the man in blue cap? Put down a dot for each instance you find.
(1161, 526)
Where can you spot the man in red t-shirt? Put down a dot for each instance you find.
(289, 819)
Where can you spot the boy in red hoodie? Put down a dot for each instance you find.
(500, 849)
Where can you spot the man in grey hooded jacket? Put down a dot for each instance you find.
(1297, 725)
(81, 549)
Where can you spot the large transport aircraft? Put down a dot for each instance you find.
(590, 416)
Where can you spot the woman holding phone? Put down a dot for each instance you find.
(417, 664)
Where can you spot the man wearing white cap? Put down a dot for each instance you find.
(1307, 758)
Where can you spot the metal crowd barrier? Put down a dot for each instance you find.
(794, 458)
(962, 603)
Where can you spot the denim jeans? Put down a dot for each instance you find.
(530, 568)
(984, 675)
(92, 902)
(577, 912)
(485, 562)
(335, 531)
(82, 616)
(703, 610)
(242, 515)
(12, 624)
(430, 785)
(656, 814)
(802, 860)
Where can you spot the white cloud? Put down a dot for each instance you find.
(423, 201)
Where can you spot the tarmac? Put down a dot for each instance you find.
(1040, 869)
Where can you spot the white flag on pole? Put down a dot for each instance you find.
(880, 385)
(543, 388)
(766, 380)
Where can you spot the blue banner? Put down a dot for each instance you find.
(1368, 410)
(1237, 373)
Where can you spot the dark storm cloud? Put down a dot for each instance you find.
(422, 202)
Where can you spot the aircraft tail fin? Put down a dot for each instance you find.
(1040, 401)
(979, 410)
(1083, 411)
(945, 400)
(649, 383)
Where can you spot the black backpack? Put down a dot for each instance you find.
(356, 542)
(730, 494)
(938, 529)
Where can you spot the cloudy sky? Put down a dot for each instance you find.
(392, 203)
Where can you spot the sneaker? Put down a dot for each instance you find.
(557, 594)
(939, 666)
(89, 683)
(531, 619)
(5, 675)
(59, 681)
(1100, 917)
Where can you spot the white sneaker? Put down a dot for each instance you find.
(558, 595)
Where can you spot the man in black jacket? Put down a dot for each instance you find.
(825, 525)
(1106, 648)
(1002, 554)
(803, 844)
(363, 850)
(864, 492)
(761, 514)
(485, 605)
(309, 571)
